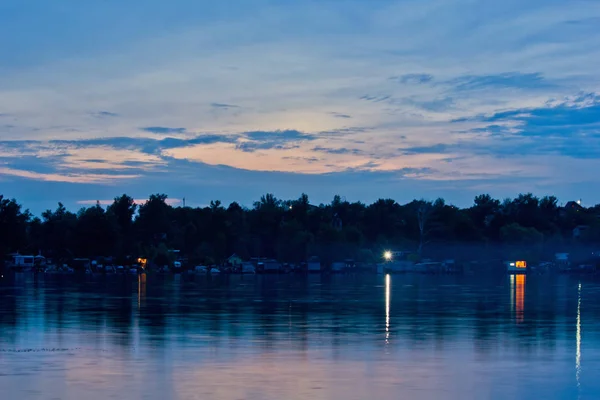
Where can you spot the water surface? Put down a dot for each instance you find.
(293, 337)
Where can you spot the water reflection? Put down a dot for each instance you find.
(318, 337)
(387, 307)
(141, 289)
(512, 291)
(578, 339)
(517, 296)
(520, 297)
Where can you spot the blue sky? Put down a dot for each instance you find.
(232, 99)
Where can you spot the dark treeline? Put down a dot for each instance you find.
(293, 230)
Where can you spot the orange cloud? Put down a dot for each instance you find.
(300, 160)
(71, 178)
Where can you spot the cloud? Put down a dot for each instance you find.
(576, 117)
(105, 114)
(344, 132)
(376, 98)
(145, 145)
(172, 143)
(303, 159)
(275, 140)
(432, 149)
(569, 128)
(413, 172)
(343, 116)
(413, 79)
(508, 80)
(341, 150)
(286, 135)
(86, 178)
(253, 146)
(161, 130)
(70, 161)
(223, 106)
(31, 163)
(435, 105)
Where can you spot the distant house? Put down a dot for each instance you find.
(570, 207)
(22, 262)
(338, 266)
(25, 262)
(573, 206)
(234, 260)
(578, 231)
(313, 265)
(248, 268)
(81, 264)
(562, 260)
(272, 266)
(341, 266)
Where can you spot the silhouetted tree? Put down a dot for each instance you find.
(13, 226)
(58, 233)
(95, 232)
(294, 230)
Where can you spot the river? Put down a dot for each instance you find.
(299, 337)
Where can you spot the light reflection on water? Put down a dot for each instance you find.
(388, 282)
(291, 337)
(578, 338)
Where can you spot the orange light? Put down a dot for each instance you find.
(521, 264)
(520, 297)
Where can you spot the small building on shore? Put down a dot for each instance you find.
(248, 268)
(22, 262)
(516, 267)
(271, 266)
(234, 260)
(313, 265)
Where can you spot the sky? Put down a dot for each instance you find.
(232, 99)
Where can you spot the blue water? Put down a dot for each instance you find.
(291, 337)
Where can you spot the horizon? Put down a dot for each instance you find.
(372, 99)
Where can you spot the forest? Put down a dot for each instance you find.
(294, 230)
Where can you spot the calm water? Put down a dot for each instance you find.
(286, 337)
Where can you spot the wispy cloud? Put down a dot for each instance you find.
(253, 146)
(432, 149)
(375, 98)
(162, 130)
(413, 78)
(341, 150)
(85, 178)
(339, 115)
(509, 80)
(223, 106)
(276, 140)
(573, 116)
(105, 114)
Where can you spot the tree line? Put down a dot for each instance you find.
(294, 230)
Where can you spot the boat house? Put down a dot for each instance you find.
(516, 267)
